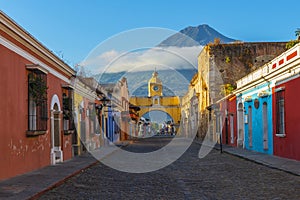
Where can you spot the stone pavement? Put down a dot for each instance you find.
(33, 184)
(214, 176)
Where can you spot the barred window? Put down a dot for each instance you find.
(68, 119)
(280, 115)
(37, 100)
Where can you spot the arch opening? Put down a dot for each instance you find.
(156, 122)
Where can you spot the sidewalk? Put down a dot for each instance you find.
(283, 164)
(35, 183)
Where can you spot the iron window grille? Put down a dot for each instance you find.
(68, 119)
(37, 101)
(280, 112)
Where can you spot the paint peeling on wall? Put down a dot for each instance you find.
(23, 146)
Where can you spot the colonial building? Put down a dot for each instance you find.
(88, 135)
(36, 105)
(220, 66)
(225, 112)
(190, 114)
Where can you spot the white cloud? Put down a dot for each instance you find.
(144, 59)
(109, 56)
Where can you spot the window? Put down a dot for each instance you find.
(37, 100)
(280, 121)
(68, 120)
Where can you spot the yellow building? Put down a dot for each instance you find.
(155, 101)
(87, 136)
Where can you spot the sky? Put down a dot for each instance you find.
(72, 29)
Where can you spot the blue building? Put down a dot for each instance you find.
(258, 118)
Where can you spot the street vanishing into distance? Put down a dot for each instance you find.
(149, 100)
(216, 176)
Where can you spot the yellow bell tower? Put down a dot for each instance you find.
(154, 85)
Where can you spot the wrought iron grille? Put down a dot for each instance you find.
(37, 101)
(280, 115)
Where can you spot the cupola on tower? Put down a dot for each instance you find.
(154, 85)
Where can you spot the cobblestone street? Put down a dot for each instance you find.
(217, 176)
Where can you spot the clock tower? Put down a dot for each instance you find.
(154, 85)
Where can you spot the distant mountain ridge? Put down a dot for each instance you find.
(194, 36)
(187, 37)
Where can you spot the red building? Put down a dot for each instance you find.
(230, 132)
(285, 103)
(36, 103)
(286, 117)
(226, 117)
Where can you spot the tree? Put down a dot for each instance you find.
(297, 33)
(292, 43)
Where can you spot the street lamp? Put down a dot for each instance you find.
(104, 102)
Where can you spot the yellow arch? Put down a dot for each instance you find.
(169, 105)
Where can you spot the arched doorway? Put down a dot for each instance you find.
(240, 139)
(56, 144)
